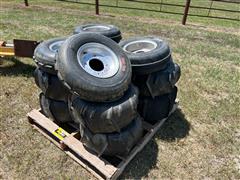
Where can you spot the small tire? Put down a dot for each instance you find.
(51, 86)
(109, 31)
(106, 117)
(154, 110)
(94, 67)
(113, 143)
(45, 54)
(158, 83)
(56, 110)
(147, 54)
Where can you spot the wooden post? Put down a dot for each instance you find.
(97, 7)
(188, 2)
(26, 2)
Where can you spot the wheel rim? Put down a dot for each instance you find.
(140, 46)
(98, 60)
(96, 28)
(54, 47)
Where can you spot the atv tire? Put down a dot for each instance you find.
(109, 31)
(113, 143)
(106, 117)
(51, 86)
(147, 54)
(45, 54)
(94, 67)
(56, 110)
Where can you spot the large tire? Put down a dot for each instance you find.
(56, 110)
(45, 54)
(109, 31)
(51, 86)
(106, 117)
(154, 110)
(158, 83)
(147, 54)
(94, 67)
(113, 143)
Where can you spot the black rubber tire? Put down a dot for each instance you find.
(151, 61)
(106, 117)
(45, 57)
(158, 83)
(51, 86)
(89, 87)
(153, 110)
(56, 110)
(113, 32)
(113, 143)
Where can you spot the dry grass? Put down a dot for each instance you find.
(199, 141)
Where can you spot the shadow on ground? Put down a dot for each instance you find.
(15, 67)
(176, 127)
(142, 163)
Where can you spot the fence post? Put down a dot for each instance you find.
(26, 2)
(210, 8)
(184, 19)
(97, 7)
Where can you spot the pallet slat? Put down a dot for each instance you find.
(42, 120)
(107, 169)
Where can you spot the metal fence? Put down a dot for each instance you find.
(198, 8)
(214, 8)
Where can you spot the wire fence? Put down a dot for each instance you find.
(218, 9)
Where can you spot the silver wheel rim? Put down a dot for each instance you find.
(54, 47)
(96, 28)
(98, 60)
(140, 46)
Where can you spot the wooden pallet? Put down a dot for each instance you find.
(67, 139)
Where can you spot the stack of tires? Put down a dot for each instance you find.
(105, 87)
(155, 74)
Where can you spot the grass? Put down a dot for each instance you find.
(199, 141)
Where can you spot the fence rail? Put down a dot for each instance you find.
(205, 9)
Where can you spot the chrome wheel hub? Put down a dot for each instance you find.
(98, 60)
(140, 46)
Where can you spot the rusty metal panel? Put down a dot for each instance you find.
(24, 48)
